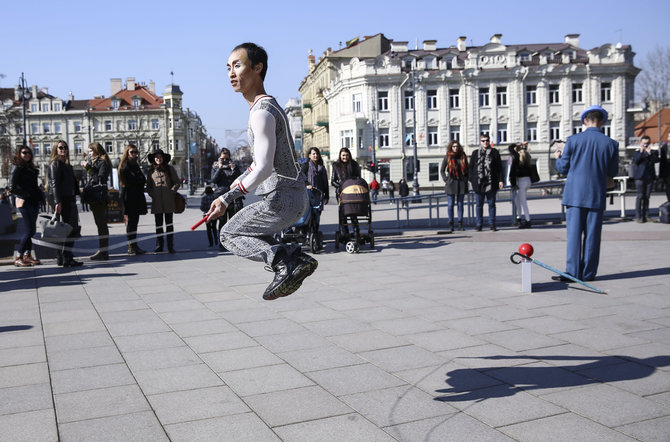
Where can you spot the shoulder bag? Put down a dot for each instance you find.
(52, 229)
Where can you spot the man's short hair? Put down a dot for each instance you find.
(256, 54)
(645, 137)
(594, 116)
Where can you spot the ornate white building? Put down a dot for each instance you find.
(532, 92)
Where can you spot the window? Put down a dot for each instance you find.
(383, 100)
(432, 136)
(109, 147)
(115, 104)
(433, 172)
(47, 149)
(56, 107)
(531, 134)
(36, 150)
(356, 99)
(524, 56)
(57, 127)
(154, 124)
(77, 126)
(409, 136)
(132, 125)
(606, 92)
(454, 102)
(155, 145)
(77, 147)
(554, 131)
(577, 127)
(45, 107)
(168, 103)
(177, 123)
(33, 107)
(455, 133)
(483, 97)
(531, 94)
(108, 125)
(502, 133)
(501, 96)
(577, 92)
(19, 129)
(360, 138)
(136, 103)
(485, 129)
(34, 128)
(554, 96)
(432, 99)
(46, 128)
(431, 62)
(409, 100)
(607, 130)
(96, 125)
(347, 138)
(384, 138)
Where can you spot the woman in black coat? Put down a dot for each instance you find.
(28, 198)
(64, 189)
(316, 174)
(132, 195)
(454, 171)
(343, 169)
(98, 168)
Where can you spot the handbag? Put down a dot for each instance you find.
(94, 194)
(53, 230)
(534, 176)
(179, 203)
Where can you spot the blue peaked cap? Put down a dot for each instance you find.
(594, 108)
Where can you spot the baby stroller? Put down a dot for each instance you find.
(354, 200)
(306, 230)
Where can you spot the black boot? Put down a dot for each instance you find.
(460, 226)
(170, 243)
(69, 261)
(159, 244)
(451, 228)
(290, 272)
(59, 258)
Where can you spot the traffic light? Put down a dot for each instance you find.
(371, 166)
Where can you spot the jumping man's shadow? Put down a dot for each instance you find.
(514, 379)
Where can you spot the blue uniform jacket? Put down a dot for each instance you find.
(588, 159)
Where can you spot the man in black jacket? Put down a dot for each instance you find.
(485, 175)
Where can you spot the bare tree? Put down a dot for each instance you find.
(654, 80)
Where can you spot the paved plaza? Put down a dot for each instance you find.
(426, 337)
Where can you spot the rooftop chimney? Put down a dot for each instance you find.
(130, 83)
(399, 46)
(152, 87)
(429, 45)
(572, 40)
(17, 93)
(496, 38)
(311, 60)
(34, 91)
(115, 85)
(460, 43)
(70, 96)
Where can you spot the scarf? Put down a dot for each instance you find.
(312, 173)
(454, 160)
(484, 169)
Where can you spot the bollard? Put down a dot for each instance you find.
(526, 276)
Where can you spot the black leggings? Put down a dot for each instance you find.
(169, 227)
(131, 227)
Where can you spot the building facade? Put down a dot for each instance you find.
(429, 96)
(293, 109)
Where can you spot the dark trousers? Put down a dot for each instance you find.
(29, 217)
(100, 217)
(69, 215)
(584, 228)
(490, 198)
(168, 226)
(212, 233)
(667, 187)
(131, 228)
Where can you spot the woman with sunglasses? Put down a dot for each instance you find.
(99, 168)
(28, 198)
(64, 189)
(454, 171)
(132, 195)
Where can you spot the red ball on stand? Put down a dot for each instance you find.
(526, 249)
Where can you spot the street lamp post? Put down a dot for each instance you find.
(415, 182)
(24, 92)
(374, 142)
(188, 153)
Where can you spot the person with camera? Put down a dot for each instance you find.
(645, 175)
(224, 173)
(64, 189)
(98, 168)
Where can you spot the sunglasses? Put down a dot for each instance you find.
(483, 141)
(62, 147)
(25, 152)
(132, 152)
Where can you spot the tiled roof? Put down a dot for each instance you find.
(149, 100)
(649, 126)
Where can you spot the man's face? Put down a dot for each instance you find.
(242, 76)
(485, 142)
(645, 142)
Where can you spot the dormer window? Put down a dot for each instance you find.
(524, 56)
(430, 62)
(115, 104)
(408, 63)
(136, 103)
(549, 55)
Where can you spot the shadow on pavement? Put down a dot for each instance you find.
(635, 274)
(10, 328)
(466, 383)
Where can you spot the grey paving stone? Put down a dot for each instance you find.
(29, 427)
(166, 380)
(296, 405)
(313, 314)
(265, 379)
(569, 356)
(79, 379)
(599, 338)
(83, 305)
(353, 303)
(149, 341)
(402, 358)
(69, 315)
(405, 326)
(396, 405)
(176, 305)
(141, 426)
(321, 358)
(521, 339)
(349, 427)
(72, 327)
(203, 403)
(249, 315)
(161, 358)
(84, 357)
(200, 328)
(455, 427)
(16, 339)
(368, 340)
(354, 379)
(477, 326)
(181, 316)
(79, 340)
(549, 325)
(377, 313)
(23, 355)
(441, 340)
(334, 327)
(25, 398)
(562, 427)
(292, 341)
(220, 341)
(90, 404)
(240, 358)
(663, 398)
(640, 379)
(608, 405)
(239, 427)
(137, 328)
(119, 306)
(447, 379)
(239, 303)
(26, 374)
(654, 430)
(269, 327)
(539, 378)
(116, 317)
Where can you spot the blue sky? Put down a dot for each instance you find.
(79, 45)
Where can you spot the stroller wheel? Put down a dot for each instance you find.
(315, 241)
(337, 240)
(352, 247)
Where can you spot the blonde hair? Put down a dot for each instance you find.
(54, 152)
(124, 159)
(100, 152)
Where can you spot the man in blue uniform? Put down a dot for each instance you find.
(588, 159)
